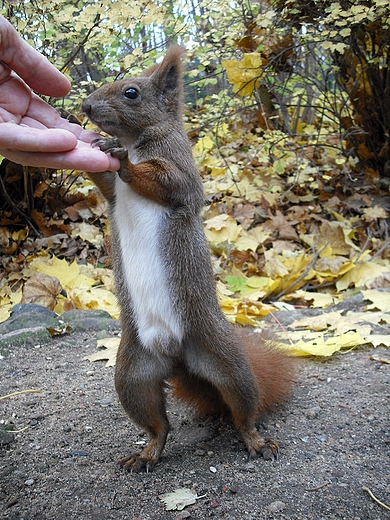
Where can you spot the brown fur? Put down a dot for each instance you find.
(273, 369)
(210, 366)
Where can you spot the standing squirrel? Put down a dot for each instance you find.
(172, 327)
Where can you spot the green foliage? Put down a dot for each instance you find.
(318, 70)
(351, 38)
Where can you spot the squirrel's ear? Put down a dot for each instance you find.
(168, 75)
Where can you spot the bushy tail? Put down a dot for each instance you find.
(273, 368)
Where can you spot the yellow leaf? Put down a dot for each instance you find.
(321, 322)
(246, 243)
(7, 300)
(5, 312)
(68, 274)
(378, 339)
(374, 318)
(222, 228)
(337, 323)
(329, 266)
(203, 145)
(380, 299)
(244, 319)
(222, 289)
(258, 282)
(96, 298)
(244, 74)
(372, 214)
(109, 349)
(274, 266)
(318, 299)
(222, 129)
(89, 233)
(259, 234)
(363, 274)
(321, 347)
(246, 188)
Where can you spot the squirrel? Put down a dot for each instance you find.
(172, 327)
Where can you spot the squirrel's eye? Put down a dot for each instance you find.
(131, 93)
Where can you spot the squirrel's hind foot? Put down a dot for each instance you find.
(256, 445)
(147, 459)
(136, 463)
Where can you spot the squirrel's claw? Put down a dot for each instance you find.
(270, 450)
(136, 463)
(256, 445)
(111, 145)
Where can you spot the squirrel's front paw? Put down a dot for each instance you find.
(111, 145)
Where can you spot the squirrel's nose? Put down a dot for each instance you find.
(86, 107)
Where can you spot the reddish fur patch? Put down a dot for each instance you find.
(273, 368)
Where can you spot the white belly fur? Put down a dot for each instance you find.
(137, 220)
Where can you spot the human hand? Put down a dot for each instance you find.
(31, 131)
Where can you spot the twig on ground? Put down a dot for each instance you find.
(375, 499)
(37, 390)
(317, 487)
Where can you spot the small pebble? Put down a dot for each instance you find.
(213, 469)
(29, 482)
(276, 506)
(313, 413)
(199, 452)
(77, 453)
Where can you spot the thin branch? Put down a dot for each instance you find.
(304, 274)
(15, 207)
(95, 24)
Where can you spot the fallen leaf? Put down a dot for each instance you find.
(280, 224)
(244, 214)
(68, 274)
(372, 214)
(89, 233)
(274, 266)
(317, 299)
(41, 289)
(363, 274)
(109, 348)
(377, 340)
(376, 357)
(380, 299)
(319, 346)
(179, 499)
(222, 228)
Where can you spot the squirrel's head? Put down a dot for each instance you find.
(134, 104)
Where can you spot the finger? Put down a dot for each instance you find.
(29, 64)
(80, 158)
(41, 115)
(28, 139)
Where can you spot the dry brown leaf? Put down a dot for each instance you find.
(282, 226)
(244, 214)
(375, 213)
(42, 290)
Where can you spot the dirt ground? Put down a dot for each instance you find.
(334, 435)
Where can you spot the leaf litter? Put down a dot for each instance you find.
(282, 228)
